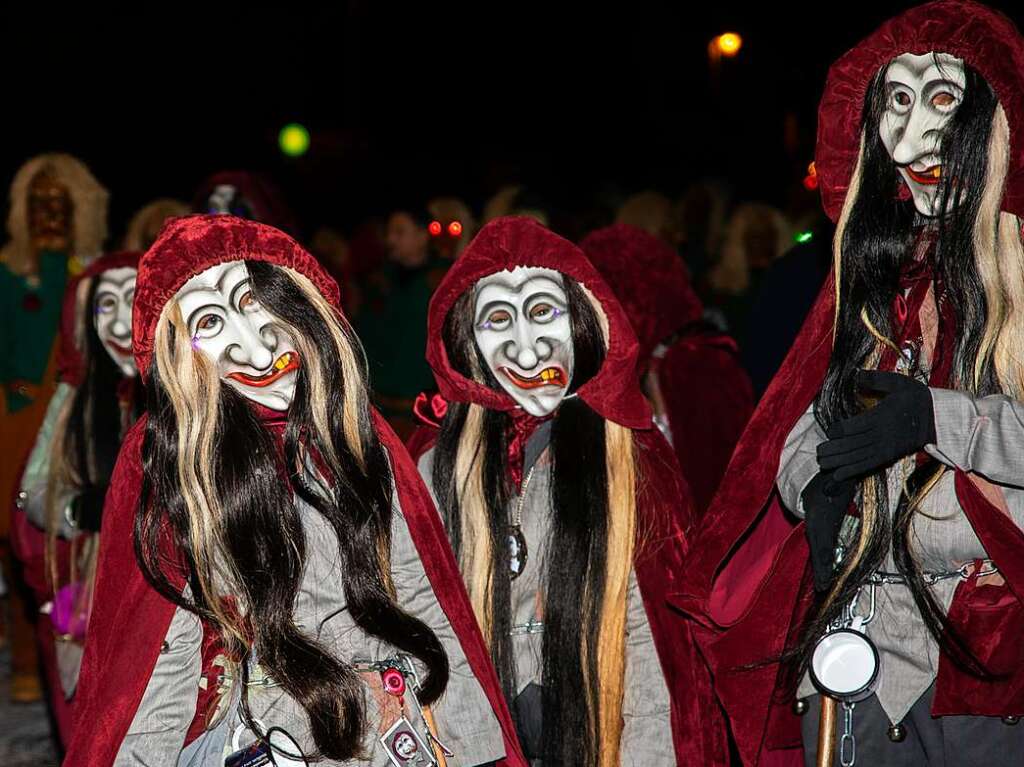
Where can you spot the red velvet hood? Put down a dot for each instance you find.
(129, 619)
(504, 244)
(69, 357)
(190, 245)
(981, 36)
(650, 280)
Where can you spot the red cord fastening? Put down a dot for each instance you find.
(394, 682)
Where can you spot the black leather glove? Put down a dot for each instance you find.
(825, 502)
(902, 423)
(87, 508)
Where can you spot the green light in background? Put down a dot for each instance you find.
(803, 237)
(293, 140)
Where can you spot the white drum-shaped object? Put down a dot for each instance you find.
(844, 665)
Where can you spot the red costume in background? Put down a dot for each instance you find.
(706, 394)
(28, 542)
(748, 581)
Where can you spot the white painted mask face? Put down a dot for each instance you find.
(112, 315)
(922, 93)
(521, 325)
(251, 350)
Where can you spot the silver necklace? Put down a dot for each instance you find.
(517, 550)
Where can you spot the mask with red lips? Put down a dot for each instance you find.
(112, 315)
(521, 326)
(252, 351)
(922, 93)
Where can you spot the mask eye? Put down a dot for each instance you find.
(106, 304)
(944, 101)
(499, 319)
(900, 100)
(544, 312)
(247, 302)
(209, 325)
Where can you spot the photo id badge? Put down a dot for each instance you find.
(405, 747)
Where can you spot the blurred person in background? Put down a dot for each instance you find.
(784, 297)
(247, 195)
(516, 200)
(756, 235)
(145, 225)
(56, 225)
(392, 321)
(455, 226)
(689, 371)
(56, 520)
(654, 213)
(701, 213)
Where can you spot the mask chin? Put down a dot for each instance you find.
(278, 398)
(537, 405)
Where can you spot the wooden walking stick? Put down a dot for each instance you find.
(827, 731)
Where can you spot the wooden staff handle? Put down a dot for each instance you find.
(429, 716)
(827, 731)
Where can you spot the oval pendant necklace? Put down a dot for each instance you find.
(517, 552)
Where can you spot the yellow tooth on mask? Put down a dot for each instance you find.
(283, 361)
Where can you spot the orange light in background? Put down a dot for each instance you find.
(811, 179)
(434, 228)
(728, 44)
(455, 229)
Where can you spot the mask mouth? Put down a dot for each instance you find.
(549, 376)
(124, 351)
(930, 176)
(285, 364)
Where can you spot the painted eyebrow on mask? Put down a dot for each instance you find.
(233, 298)
(549, 297)
(490, 306)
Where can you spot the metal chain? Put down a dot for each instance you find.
(517, 522)
(848, 743)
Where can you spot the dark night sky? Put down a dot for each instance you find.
(580, 105)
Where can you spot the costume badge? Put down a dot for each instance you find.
(404, 746)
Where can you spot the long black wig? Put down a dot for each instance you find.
(576, 564)
(262, 534)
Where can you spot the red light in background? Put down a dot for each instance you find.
(455, 229)
(434, 228)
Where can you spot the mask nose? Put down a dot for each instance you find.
(918, 138)
(528, 350)
(121, 328)
(252, 347)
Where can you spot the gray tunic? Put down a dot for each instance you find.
(465, 721)
(984, 436)
(646, 709)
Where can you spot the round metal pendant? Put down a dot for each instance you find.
(517, 553)
(844, 664)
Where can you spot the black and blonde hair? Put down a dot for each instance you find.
(87, 434)
(593, 501)
(217, 484)
(978, 261)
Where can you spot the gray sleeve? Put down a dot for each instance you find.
(799, 460)
(646, 706)
(465, 721)
(157, 732)
(32, 495)
(984, 435)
